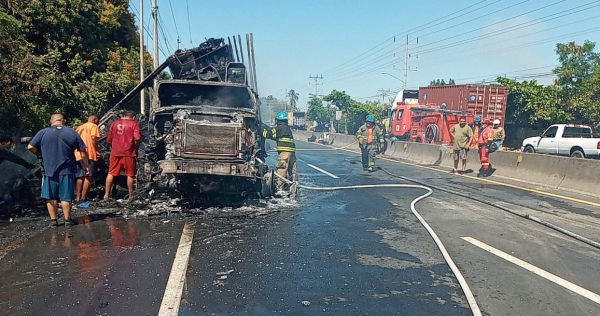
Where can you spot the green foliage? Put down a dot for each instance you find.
(441, 82)
(316, 111)
(72, 56)
(530, 103)
(574, 97)
(355, 112)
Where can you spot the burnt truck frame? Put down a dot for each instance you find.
(201, 139)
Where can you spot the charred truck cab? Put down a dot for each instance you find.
(202, 139)
(205, 135)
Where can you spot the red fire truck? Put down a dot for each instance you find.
(427, 115)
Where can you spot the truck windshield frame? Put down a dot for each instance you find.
(195, 94)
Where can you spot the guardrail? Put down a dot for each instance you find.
(565, 173)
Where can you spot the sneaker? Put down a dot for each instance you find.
(370, 169)
(53, 223)
(70, 222)
(453, 171)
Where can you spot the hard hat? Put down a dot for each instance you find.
(486, 121)
(477, 118)
(496, 122)
(282, 116)
(370, 119)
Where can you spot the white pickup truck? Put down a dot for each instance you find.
(565, 140)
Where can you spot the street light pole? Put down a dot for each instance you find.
(404, 84)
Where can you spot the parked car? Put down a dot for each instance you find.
(565, 140)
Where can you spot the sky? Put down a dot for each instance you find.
(360, 46)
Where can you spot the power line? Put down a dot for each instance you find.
(582, 32)
(187, 4)
(508, 29)
(393, 37)
(174, 20)
(487, 35)
(494, 12)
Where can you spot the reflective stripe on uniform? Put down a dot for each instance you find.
(284, 148)
(265, 133)
(285, 139)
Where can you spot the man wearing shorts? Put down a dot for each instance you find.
(462, 134)
(90, 134)
(57, 144)
(124, 138)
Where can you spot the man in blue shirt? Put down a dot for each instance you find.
(57, 144)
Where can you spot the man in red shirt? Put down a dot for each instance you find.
(124, 138)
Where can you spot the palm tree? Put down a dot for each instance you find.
(293, 99)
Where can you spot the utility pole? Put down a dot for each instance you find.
(406, 57)
(405, 64)
(384, 93)
(316, 84)
(155, 49)
(142, 94)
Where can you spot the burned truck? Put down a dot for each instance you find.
(202, 137)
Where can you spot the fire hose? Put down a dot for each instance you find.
(429, 188)
(461, 280)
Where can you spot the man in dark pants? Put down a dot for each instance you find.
(57, 144)
(286, 148)
(6, 143)
(370, 138)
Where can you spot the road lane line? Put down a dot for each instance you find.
(319, 169)
(323, 171)
(544, 274)
(513, 186)
(174, 290)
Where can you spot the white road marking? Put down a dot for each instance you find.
(544, 274)
(174, 290)
(323, 171)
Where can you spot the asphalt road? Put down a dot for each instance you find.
(355, 252)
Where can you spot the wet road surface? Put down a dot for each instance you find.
(357, 252)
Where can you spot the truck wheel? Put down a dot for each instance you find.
(577, 154)
(529, 149)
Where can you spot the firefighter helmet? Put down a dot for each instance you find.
(477, 118)
(282, 116)
(370, 119)
(496, 122)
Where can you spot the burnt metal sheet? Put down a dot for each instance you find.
(188, 166)
(210, 139)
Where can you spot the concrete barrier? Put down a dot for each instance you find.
(570, 174)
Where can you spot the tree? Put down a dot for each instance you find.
(293, 99)
(579, 81)
(530, 103)
(316, 110)
(339, 99)
(72, 56)
(441, 82)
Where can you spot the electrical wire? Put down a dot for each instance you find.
(187, 5)
(352, 74)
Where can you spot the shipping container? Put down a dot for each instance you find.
(485, 100)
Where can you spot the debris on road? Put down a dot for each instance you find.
(305, 303)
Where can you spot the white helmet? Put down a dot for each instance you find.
(496, 122)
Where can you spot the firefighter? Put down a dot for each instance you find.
(384, 145)
(486, 137)
(286, 148)
(476, 126)
(370, 138)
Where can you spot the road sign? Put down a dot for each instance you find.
(338, 115)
